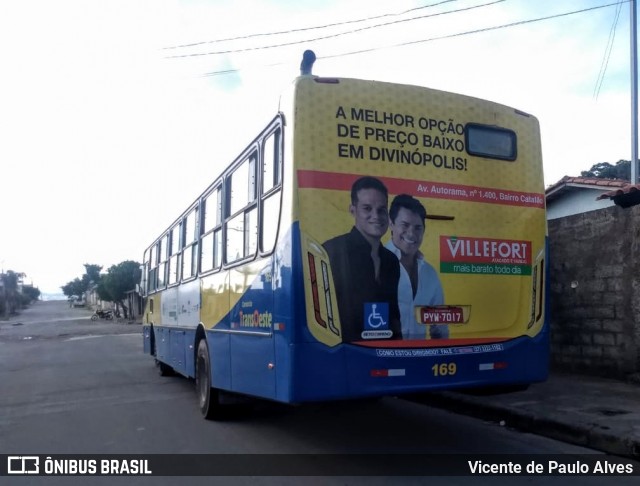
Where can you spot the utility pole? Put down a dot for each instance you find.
(633, 23)
(4, 304)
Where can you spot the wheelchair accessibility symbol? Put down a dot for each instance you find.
(376, 321)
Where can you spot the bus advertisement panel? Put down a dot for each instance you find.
(374, 239)
(471, 283)
(484, 235)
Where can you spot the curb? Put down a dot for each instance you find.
(595, 437)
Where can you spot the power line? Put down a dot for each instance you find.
(304, 29)
(234, 51)
(449, 36)
(477, 31)
(607, 53)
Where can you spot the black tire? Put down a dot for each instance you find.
(208, 397)
(164, 369)
(94, 317)
(497, 390)
(152, 342)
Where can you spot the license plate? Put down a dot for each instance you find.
(442, 315)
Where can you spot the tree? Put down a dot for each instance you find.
(76, 288)
(605, 170)
(32, 293)
(110, 287)
(92, 272)
(103, 291)
(119, 279)
(11, 299)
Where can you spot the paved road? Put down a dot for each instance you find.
(56, 320)
(71, 386)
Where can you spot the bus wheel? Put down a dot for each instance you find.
(164, 369)
(208, 398)
(152, 341)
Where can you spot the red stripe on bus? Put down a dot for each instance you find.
(378, 373)
(427, 343)
(315, 179)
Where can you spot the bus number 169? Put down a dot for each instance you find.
(444, 369)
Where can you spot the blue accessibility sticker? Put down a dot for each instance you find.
(376, 315)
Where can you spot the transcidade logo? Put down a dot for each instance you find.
(256, 319)
(459, 254)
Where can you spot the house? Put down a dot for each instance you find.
(575, 195)
(594, 271)
(624, 197)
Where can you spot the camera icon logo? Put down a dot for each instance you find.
(23, 465)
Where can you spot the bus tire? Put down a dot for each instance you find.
(164, 369)
(208, 398)
(497, 390)
(152, 341)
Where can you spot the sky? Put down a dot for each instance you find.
(116, 114)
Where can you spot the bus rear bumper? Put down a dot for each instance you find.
(372, 371)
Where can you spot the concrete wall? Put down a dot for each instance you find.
(595, 292)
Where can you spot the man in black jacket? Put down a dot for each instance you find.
(365, 273)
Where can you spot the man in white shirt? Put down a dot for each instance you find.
(419, 282)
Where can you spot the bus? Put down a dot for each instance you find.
(242, 292)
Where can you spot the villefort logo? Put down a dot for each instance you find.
(460, 254)
(256, 319)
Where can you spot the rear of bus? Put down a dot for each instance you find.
(476, 166)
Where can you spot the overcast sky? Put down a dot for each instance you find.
(109, 129)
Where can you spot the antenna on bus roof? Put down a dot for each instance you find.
(308, 58)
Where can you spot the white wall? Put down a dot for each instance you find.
(575, 202)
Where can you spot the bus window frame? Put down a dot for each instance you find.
(276, 126)
(194, 241)
(147, 268)
(216, 186)
(162, 251)
(177, 253)
(252, 150)
(152, 280)
(255, 148)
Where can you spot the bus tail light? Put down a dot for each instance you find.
(498, 365)
(387, 372)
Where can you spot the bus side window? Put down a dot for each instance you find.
(271, 180)
(174, 255)
(271, 162)
(242, 226)
(152, 283)
(210, 246)
(144, 281)
(189, 255)
(163, 255)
